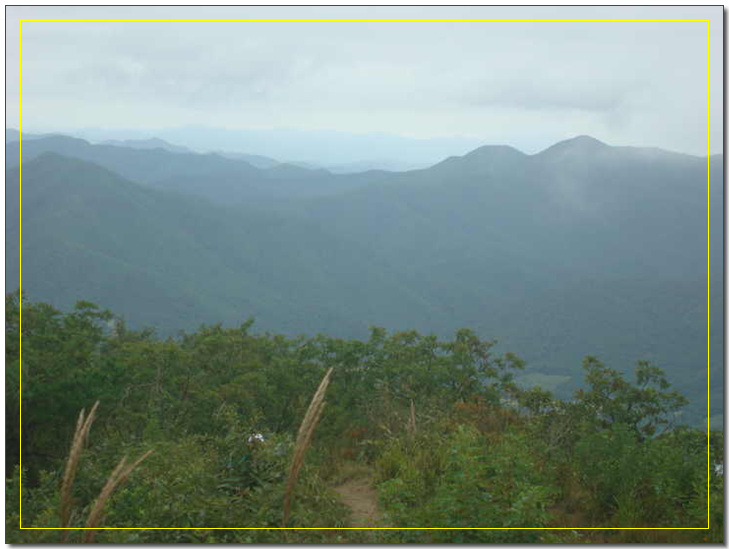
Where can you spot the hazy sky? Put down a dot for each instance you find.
(527, 84)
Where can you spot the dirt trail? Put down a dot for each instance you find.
(359, 495)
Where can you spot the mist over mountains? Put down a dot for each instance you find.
(583, 248)
(316, 147)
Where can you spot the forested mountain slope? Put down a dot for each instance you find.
(175, 261)
(581, 249)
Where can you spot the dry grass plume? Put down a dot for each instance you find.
(83, 425)
(303, 440)
(116, 479)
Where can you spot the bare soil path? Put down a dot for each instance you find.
(358, 494)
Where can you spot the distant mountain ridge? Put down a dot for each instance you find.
(151, 143)
(223, 180)
(256, 160)
(583, 248)
(12, 135)
(318, 147)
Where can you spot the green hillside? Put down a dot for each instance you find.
(581, 249)
(119, 244)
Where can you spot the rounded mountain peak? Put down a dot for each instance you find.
(579, 144)
(494, 151)
(487, 157)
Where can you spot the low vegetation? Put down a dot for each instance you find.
(438, 428)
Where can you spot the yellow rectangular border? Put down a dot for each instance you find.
(708, 154)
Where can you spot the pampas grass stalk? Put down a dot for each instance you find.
(303, 440)
(83, 425)
(116, 479)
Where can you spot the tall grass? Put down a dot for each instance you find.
(116, 479)
(303, 440)
(83, 425)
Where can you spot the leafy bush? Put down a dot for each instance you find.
(455, 444)
(478, 482)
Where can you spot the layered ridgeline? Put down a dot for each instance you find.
(581, 249)
(222, 178)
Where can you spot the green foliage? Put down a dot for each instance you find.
(708, 499)
(467, 481)
(645, 406)
(12, 382)
(455, 443)
(39, 506)
(63, 371)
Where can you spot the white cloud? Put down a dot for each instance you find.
(517, 82)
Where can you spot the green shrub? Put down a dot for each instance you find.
(480, 482)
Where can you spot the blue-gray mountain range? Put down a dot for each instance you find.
(583, 248)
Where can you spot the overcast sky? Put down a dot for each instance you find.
(527, 84)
